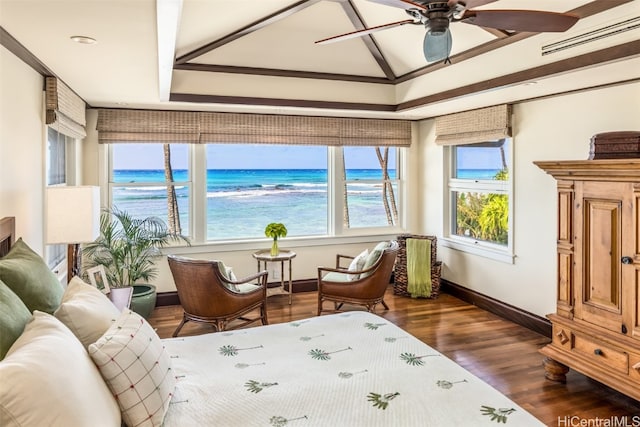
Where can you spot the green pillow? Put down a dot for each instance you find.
(14, 315)
(29, 277)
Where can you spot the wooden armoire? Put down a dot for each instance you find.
(596, 327)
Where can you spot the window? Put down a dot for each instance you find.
(372, 187)
(239, 188)
(479, 199)
(58, 148)
(141, 184)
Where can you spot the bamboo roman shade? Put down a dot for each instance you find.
(65, 110)
(485, 124)
(116, 126)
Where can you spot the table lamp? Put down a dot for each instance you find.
(72, 217)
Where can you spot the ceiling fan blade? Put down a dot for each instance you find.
(402, 4)
(437, 46)
(472, 4)
(535, 21)
(364, 32)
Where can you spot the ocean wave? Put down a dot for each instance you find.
(149, 188)
(260, 193)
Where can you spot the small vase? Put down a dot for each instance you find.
(274, 248)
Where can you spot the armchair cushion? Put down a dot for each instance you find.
(227, 273)
(246, 287)
(357, 264)
(374, 256)
(339, 277)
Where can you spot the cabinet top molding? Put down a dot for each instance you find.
(607, 170)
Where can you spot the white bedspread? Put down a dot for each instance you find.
(351, 369)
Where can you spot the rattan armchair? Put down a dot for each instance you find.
(366, 287)
(208, 296)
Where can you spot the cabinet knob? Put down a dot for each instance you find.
(597, 352)
(627, 260)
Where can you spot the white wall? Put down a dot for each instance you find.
(556, 128)
(22, 148)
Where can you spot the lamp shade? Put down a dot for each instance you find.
(73, 214)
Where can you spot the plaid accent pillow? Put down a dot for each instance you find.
(137, 369)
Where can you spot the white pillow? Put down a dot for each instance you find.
(86, 311)
(357, 263)
(137, 369)
(227, 272)
(48, 379)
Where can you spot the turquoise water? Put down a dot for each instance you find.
(240, 203)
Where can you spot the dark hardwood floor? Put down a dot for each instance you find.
(502, 353)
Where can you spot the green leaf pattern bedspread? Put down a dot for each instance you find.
(350, 369)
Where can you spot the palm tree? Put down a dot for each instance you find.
(388, 196)
(345, 198)
(173, 213)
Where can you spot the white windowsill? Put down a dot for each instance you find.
(288, 242)
(478, 248)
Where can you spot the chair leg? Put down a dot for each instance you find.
(384, 304)
(263, 314)
(184, 320)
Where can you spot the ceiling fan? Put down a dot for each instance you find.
(436, 15)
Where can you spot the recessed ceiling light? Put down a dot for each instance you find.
(84, 39)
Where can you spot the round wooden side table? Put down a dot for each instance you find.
(264, 256)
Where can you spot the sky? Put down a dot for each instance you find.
(233, 156)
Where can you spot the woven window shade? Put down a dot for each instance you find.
(147, 126)
(65, 111)
(229, 128)
(485, 124)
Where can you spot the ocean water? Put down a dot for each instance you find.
(240, 203)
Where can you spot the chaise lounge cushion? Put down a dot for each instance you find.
(29, 277)
(86, 311)
(48, 379)
(137, 369)
(14, 316)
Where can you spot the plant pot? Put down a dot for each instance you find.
(143, 300)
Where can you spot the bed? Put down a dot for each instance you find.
(347, 369)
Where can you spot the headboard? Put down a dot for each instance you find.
(7, 234)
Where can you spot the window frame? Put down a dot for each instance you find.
(452, 185)
(58, 264)
(189, 183)
(198, 214)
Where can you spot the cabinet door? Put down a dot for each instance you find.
(604, 235)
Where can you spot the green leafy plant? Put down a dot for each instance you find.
(275, 230)
(484, 216)
(127, 246)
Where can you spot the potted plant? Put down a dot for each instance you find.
(127, 247)
(275, 230)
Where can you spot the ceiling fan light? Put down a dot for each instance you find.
(437, 46)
